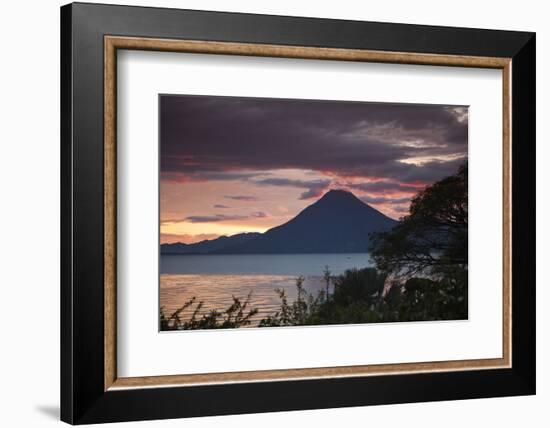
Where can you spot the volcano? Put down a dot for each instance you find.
(338, 222)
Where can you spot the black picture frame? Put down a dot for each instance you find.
(83, 398)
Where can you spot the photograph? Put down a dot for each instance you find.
(291, 212)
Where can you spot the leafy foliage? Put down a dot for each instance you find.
(433, 237)
(423, 299)
(233, 317)
(427, 254)
(363, 296)
(297, 312)
(358, 285)
(355, 295)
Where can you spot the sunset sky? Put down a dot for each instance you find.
(231, 165)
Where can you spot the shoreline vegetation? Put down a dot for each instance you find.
(420, 274)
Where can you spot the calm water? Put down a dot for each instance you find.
(214, 279)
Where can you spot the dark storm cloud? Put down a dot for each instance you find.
(245, 198)
(293, 183)
(224, 137)
(221, 206)
(198, 175)
(429, 170)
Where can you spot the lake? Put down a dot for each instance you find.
(214, 279)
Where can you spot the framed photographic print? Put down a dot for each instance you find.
(265, 213)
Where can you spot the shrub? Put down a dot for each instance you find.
(234, 316)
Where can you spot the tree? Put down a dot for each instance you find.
(433, 237)
(326, 277)
(422, 299)
(355, 294)
(358, 285)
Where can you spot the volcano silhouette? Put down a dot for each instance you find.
(339, 222)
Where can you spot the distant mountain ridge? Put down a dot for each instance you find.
(207, 246)
(338, 222)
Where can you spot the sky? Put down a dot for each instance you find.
(230, 165)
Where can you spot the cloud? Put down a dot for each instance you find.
(293, 183)
(214, 218)
(246, 198)
(312, 193)
(230, 138)
(200, 176)
(221, 206)
(402, 209)
(315, 188)
(383, 200)
(384, 186)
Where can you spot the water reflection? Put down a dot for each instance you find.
(216, 291)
